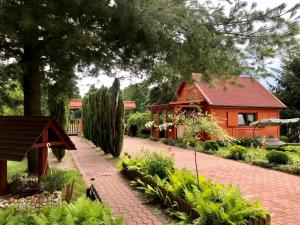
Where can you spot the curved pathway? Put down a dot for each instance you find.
(113, 189)
(279, 192)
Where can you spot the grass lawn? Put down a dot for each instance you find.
(79, 185)
(16, 167)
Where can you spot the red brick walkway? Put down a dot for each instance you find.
(113, 189)
(279, 192)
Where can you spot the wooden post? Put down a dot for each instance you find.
(166, 120)
(151, 119)
(174, 131)
(3, 177)
(80, 126)
(158, 121)
(43, 155)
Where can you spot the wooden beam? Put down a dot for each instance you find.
(43, 155)
(52, 144)
(3, 177)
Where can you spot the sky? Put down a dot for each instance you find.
(84, 83)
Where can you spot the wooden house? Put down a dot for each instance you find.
(236, 103)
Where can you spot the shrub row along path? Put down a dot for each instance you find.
(113, 189)
(279, 192)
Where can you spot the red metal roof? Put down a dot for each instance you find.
(19, 134)
(246, 92)
(75, 103)
(129, 105)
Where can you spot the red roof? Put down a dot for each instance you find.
(246, 92)
(75, 103)
(129, 105)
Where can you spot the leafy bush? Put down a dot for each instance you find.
(151, 163)
(83, 211)
(223, 204)
(248, 141)
(54, 181)
(171, 142)
(284, 139)
(237, 152)
(136, 123)
(210, 146)
(181, 144)
(277, 157)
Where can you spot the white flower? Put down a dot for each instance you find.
(150, 124)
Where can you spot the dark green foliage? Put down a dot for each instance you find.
(277, 157)
(103, 118)
(54, 180)
(82, 212)
(136, 123)
(171, 142)
(210, 146)
(222, 204)
(151, 163)
(287, 90)
(59, 109)
(237, 152)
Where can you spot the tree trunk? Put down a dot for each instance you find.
(32, 95)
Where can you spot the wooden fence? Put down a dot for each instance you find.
(172, 200)
(74, 128)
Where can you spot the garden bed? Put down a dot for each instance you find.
(254, 156)
(171, 200)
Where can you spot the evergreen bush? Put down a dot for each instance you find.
(103, 118)
(210, 146)
(277, 157)
(54, 181)
(237, 152)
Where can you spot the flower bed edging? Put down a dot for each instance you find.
(181, 204)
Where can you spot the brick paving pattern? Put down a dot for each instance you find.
(113, 189)
(279, 192)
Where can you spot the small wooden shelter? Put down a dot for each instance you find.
(19, 135)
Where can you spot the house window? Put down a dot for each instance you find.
(246, 118)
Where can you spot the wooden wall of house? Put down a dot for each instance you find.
(189, 92)
(229, 118)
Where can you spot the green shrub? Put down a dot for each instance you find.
(54, 181)
(277, 157)
(220, 203)
(154, 138)
(82, 212)
(136, 123)
(210, 146)
(151, 163)
(237, 152)
(171, 142)
(181, 144)
(284, 139)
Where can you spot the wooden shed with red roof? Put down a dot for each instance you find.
(236, 103)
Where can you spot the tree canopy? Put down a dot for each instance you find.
(48, 40)
(287, 87)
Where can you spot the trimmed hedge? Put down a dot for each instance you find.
(210, 146)
(237, 152)
(277, 157)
